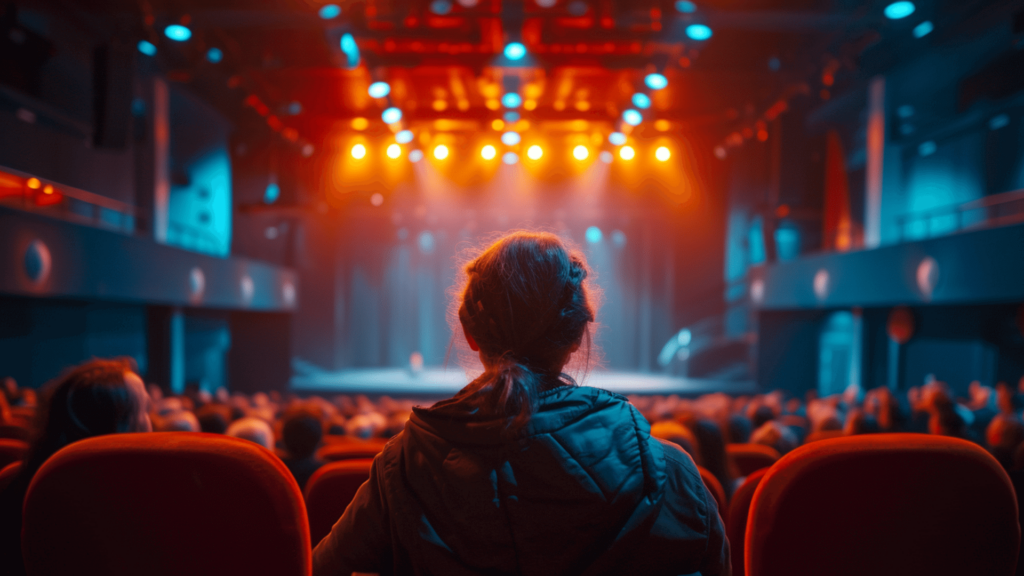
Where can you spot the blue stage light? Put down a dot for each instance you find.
(416, 155)
(510, 138)
(899, 10)
(698, 32)
(617, 138)
(606, 157)
(272, 193)
(441, 7)
(404, 137)
(594, 235)
(177, 32)
(379, 89)
(350, 49)
(147, 48)
(510, 158)
(655, 81)
(391, 115)
(632, 117)
(686, 7)
(214, 55)
(923, 29)
(328, 11)
(641, 101)
(511, 100)
(515, 51)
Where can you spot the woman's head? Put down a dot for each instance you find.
(526, 308)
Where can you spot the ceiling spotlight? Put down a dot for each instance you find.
(214, 55)
(606, 156)
(510, 158)
(580, 152)
(617, 138)
(655, 81)
(440, 152)
(698, 31)
(535, 152)
(394, 151)
(416, 155)
(391, 115)
(510, 138)
(686, 7)
(632, 117)
(662, 153)
(379, 89)
(441, 7)
(627, 153)
(177, 32)
(404, 137)
(899, 10)
(358, 151)
(641, 101)
(147, 48)
(328, 11)
(488, 152)
(511, 100)
(923, 29)
(515, 51)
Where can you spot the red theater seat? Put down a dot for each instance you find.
(715, 487)
(7, 473)
(748, 458)
(15, 432)
(823, 435)
(351, 450)
(736, 524)
(329, 491)
(884, 504)
(12, 451)
(169, 503)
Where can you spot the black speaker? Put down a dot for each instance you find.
(113, 70)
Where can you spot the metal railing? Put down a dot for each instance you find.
(989, 211)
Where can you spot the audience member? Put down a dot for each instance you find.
(1003, 435)
(301, 432)
(253, 430)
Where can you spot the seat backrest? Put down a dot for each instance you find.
(329, 491)
(823, 435)
(715, 487)
(884, 504)
(736, 523)
(351, 450)
(747, 458)
(7, 473)
(166, 503)
(15, 432)
(12, 451)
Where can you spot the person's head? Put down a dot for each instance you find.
(213, 418)
(711, 445)
(739, 429)
(945, 421)
(253, 430)
(776, 435)
(760, 415)
(92, 399)
(678, 434)
(1007, 400)
(525, 309)
(1005, 432)
(301, 431)
(181, 421)
(860, 422)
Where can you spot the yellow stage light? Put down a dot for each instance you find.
(488, 152)
(441, 152)
(529, 105)
(360, 123)
(498, 124)
(580, 152)
(627, 153)
(535, 152)
(34, 183)
(662, 153)
(394, 151)
(358, 151)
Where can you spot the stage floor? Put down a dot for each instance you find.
(440, 382)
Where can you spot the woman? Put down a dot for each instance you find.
(95, 398)
(523, 471)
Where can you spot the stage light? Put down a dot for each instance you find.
(48, 189)
(923, 29)
(594, 234)
(686, 7)
(498, 124)
(377, 199)
(488, 152)
(328, 11)
(627, 153)
(360, 123)
(177, 32)
(394, 151)
(655, 81)
(641, 101)
(617, 138)
(358, 151)
(632, 117)
(379, 89)
(33, 183)
(511, 117)
(440, 152)
(272, 193)
(492, 103)
(899, 10)
(529, 104)
(441, 7)
(511, 100)
(391, 115)
(350, 49)
(147, 48)
(580, 152)
(515, 51)
(662, 153)
(535, 152)
(404, 137)
(510, 158)
(510, 138)
(606, 156)
(416, 155)
(214, 55)
(698, 31)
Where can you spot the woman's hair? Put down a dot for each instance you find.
(712, 452)
(527, 305)
(88, 400)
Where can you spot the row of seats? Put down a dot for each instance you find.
(879, 504)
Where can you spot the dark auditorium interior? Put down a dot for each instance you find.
(511, 287)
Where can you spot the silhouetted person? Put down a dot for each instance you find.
(301, 432)
(524, 472)
(253, 430)
(712, 453)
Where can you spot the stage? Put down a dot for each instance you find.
(441, 382)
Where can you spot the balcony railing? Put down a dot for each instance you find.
(996, 210)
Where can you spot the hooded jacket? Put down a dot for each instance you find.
(584, 490)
